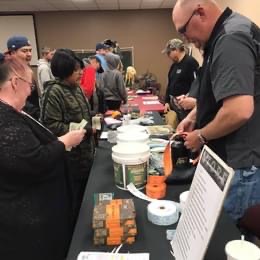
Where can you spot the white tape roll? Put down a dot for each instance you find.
(162, 212)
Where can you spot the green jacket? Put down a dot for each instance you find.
(61, 105)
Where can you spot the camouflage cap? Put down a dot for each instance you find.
(172, 45)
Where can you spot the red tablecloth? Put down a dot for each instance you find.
(147, 102)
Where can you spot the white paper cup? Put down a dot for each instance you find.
(242, 250)
(183, 198)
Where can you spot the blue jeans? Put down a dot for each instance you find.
(244, 192)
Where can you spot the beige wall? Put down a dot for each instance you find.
(249, 8)
(146, 30)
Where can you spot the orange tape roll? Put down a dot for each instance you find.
(156, 180)
(156, 191)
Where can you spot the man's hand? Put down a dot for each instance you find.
(186, 125)
(186, 103)
(192, 140)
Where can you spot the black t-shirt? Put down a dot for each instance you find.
(180, 77)
(194, 89)
(232, 68)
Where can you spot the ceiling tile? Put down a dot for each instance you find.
(158, 2)
(108, 2)
(16, 7)
(86, 5)
(129, 5)
(54, 5)
(42, 6)
(108, 7)
(134, 2)
(151, 3)
(168, 3)
(59, 1)
(63, 5)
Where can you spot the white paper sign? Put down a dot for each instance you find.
(112, 256)
(207, 193)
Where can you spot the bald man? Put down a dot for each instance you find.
(228, 106)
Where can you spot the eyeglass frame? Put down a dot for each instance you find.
(26, 81)
(183, 29)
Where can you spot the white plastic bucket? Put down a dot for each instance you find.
(130, 164)
(131, 129)
(140, 138)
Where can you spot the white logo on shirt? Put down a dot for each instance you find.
(178, 71)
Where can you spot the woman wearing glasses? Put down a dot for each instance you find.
(35, 203)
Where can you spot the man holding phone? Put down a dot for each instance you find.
(180, 77)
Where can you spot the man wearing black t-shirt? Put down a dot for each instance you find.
(181, 75)
(228, 102)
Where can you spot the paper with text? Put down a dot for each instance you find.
(112, 256)
(207, 193)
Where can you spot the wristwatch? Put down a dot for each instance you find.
(203, 139)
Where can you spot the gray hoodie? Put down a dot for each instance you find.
(43, 73)
(114, 85)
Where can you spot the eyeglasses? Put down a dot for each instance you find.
(26, 81)
(183, 28)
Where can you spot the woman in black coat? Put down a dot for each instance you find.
(35, 220)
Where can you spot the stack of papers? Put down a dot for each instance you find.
(150, 98)
(141, 92)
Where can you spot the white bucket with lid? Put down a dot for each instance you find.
(131, 129)
(130, 164)
(141, 138)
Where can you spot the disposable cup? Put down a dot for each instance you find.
(242, 250)
(183, 198)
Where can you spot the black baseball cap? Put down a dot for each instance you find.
(101, 45)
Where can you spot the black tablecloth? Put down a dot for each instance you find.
(150, 238)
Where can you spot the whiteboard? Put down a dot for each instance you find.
(13, 25)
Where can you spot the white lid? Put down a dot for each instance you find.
(131, 128)
(133, 137)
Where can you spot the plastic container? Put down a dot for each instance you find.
(242, 250)
(131, 129)
(183, 198)
(128, 137)
(130, 164)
